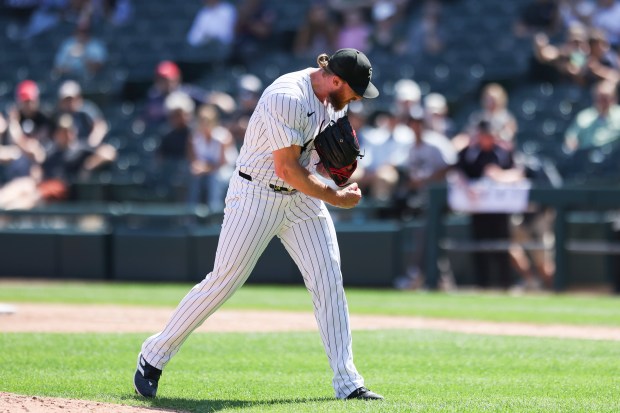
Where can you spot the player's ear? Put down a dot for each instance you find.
(337, 82)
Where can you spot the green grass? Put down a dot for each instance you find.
(417, 371)
(544, 309)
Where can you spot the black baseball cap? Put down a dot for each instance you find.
(354, 68)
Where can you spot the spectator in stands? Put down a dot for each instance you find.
(425, 35)
(407, 95)
(253, 29)
(576, 12)
(175, 146)
(569, 60)
(426, 165)
(387, 30)
(52, 12)
(603, 62)
(536, 267)
(574, 55)
(66, 160)
(531, 232)
(387, 144)
(180, 111)
(115, 12)
(341, 6)
(69, 159)
(88, 120)
(423, 167)
(606, 17)
(542, 67)
(9, 152)
(33, 121)
(387, 147)
(538, 16)
(486, 157)
(597, 125)
(20, 9)
(532, 235)
(167, 78)
(30, 151)
(80, 56)
(355, 31)
(249, 89)
(437, 116)
(494, 109)
(214, 25)
(28, 130)
(214, 155)
(318, 32)
(47, 14)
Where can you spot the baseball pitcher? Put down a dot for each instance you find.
(298, 127)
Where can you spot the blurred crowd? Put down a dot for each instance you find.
(409, 144)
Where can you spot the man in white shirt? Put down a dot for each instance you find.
(607, 18)
(430, 158)
(215, 22)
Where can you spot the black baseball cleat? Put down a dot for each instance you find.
(146, 378)
(364, 394)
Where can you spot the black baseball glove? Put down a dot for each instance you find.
(338, 149)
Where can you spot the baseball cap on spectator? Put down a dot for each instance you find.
(179, 101)
(435, 103)
(168, 70)
(407, 90)
(27, 90)
(250, 83)
(354, 68)
(69, 88)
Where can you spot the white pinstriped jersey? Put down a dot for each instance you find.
(288, 113)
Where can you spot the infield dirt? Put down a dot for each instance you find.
(14, 403)
(64, 318)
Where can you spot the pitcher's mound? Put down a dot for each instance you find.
(10, 403)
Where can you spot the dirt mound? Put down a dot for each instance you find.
(13, 403)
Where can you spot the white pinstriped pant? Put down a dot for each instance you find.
(254, 214)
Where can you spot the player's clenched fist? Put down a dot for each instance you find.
(348, 197)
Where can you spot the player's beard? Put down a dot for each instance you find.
(337, 99)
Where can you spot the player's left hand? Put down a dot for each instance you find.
(349, 196)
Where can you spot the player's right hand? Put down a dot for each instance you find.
(348, 197)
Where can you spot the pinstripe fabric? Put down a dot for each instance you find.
(250, 222)
(310, 239)
(287, 114)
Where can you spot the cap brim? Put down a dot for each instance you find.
(371, 91)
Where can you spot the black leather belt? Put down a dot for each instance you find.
(276, 188)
